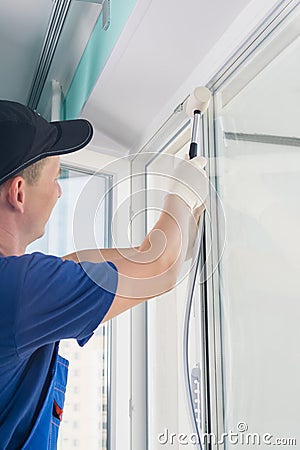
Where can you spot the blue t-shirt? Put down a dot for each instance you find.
(42, 299)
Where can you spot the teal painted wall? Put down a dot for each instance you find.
(96, 53)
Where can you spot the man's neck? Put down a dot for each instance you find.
(10, 245)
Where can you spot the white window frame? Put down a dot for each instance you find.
(117, 171)
(265, 20)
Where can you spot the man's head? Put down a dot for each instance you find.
(25, 138)
(32, 174)
(28, 198)
(30, 166)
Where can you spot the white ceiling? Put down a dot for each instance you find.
(160, 46)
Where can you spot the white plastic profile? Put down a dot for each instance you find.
(56, 100)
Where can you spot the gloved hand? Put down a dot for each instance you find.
(190, 182)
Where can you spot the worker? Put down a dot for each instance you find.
(45, 298)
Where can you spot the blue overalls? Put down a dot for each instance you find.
(45, 431)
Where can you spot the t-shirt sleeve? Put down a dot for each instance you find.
(61, 300)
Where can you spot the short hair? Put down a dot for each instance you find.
(32, 173)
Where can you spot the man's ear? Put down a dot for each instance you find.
(16, 193)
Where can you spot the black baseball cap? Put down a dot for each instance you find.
(26, 137)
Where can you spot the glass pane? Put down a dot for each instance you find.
(86, 397)
(258, 160)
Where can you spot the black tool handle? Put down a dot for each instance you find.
(193, 150)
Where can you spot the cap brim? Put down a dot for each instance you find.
(72, 135)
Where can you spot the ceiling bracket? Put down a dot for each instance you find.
(105, 14)
(105, 11)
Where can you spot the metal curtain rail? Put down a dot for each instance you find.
(55, 26)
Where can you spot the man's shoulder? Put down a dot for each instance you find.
(28, 259)
(14, 270)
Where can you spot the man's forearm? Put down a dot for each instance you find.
(101, 255)
(166, 243)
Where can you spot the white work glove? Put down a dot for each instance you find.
(190, 182)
